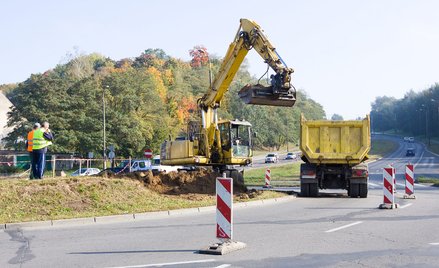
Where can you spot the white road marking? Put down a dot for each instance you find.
(422, 185)
(224, 266)
(400, 184)
(373, 184)
(165, 264)
(343, 227)
(434, 244)
(406, 205)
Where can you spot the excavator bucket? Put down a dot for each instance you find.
(266, 95)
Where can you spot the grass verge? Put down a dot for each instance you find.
(287, 174)
(380, 148)
(434, 181)
(64, 198)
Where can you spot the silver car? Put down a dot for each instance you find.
(86, 172)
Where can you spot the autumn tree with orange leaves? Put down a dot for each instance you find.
(199, 55)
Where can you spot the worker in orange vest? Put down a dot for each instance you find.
(29, 147)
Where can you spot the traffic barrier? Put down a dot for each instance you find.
(388, 189)
(267, 178)
(224, 203)
(409, 182)
(224, 219)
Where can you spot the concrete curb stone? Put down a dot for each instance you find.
(139, 216)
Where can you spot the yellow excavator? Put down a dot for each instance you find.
(224, 144)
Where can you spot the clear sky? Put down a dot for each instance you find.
(344, 52)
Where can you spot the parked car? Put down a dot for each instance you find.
(410, 152)
(123, 167)
(271, 158)
(86, 172)
(291, 156)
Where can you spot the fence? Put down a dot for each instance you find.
(19, 166)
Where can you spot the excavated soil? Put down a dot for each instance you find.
(182, 183)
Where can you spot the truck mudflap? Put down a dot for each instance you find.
(358, 187)
(309, 184)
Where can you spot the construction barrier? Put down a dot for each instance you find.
(224, 219)
(267, 178)
(224, 203)
(409, 182)
(388, 188)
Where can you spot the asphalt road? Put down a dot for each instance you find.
(329, 231)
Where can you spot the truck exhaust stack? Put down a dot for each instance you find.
(267, 95)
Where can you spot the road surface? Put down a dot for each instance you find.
(329, 231)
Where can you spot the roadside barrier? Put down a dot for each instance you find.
(224, 203)
(267, 178)
(409, 182)
(388, 188)
(224, 219)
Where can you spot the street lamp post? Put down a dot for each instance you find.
(104, 149)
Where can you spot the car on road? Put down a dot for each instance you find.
(410, 152)
(272, 158)
(411, 139)
(291, 156)
(86, 172)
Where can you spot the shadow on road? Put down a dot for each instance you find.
(134, 251)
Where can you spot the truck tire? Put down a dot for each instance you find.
(304, 189)
(313, 190)
(354, 190)
(363, 190)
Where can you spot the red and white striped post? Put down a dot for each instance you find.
(409, 182)
(224, 219)
(388, 188)
(224, 208)
(267, 178)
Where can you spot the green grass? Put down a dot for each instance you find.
(380, 148)
(422, 179)
(287, 174)
(63, 198)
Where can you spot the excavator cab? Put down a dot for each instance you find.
(279, 93)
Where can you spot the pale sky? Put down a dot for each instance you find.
(344, 52)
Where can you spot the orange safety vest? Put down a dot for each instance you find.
(30, 140)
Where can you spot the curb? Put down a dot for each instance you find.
(136, 217)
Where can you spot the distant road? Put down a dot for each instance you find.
(426, 163)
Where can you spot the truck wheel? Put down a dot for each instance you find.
(363, 190)
(354, 190)
(313, 190)
(304, 189)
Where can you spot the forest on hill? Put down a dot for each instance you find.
(148, 99)
(417, 113)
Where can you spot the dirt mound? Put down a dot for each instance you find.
(177, 183)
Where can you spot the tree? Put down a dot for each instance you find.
(199, 55)
(336, 117)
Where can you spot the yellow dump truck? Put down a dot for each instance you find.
(334, 152)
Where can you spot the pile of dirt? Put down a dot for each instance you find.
(177, 183)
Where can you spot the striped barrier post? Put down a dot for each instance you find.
(224, 208)
(224, 219)
(409, 182)
(267, 178)
(388, 188)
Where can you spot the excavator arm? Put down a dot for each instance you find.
(279, 93)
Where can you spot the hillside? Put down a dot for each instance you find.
(148, 98)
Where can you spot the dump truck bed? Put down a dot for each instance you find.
(335, 142)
